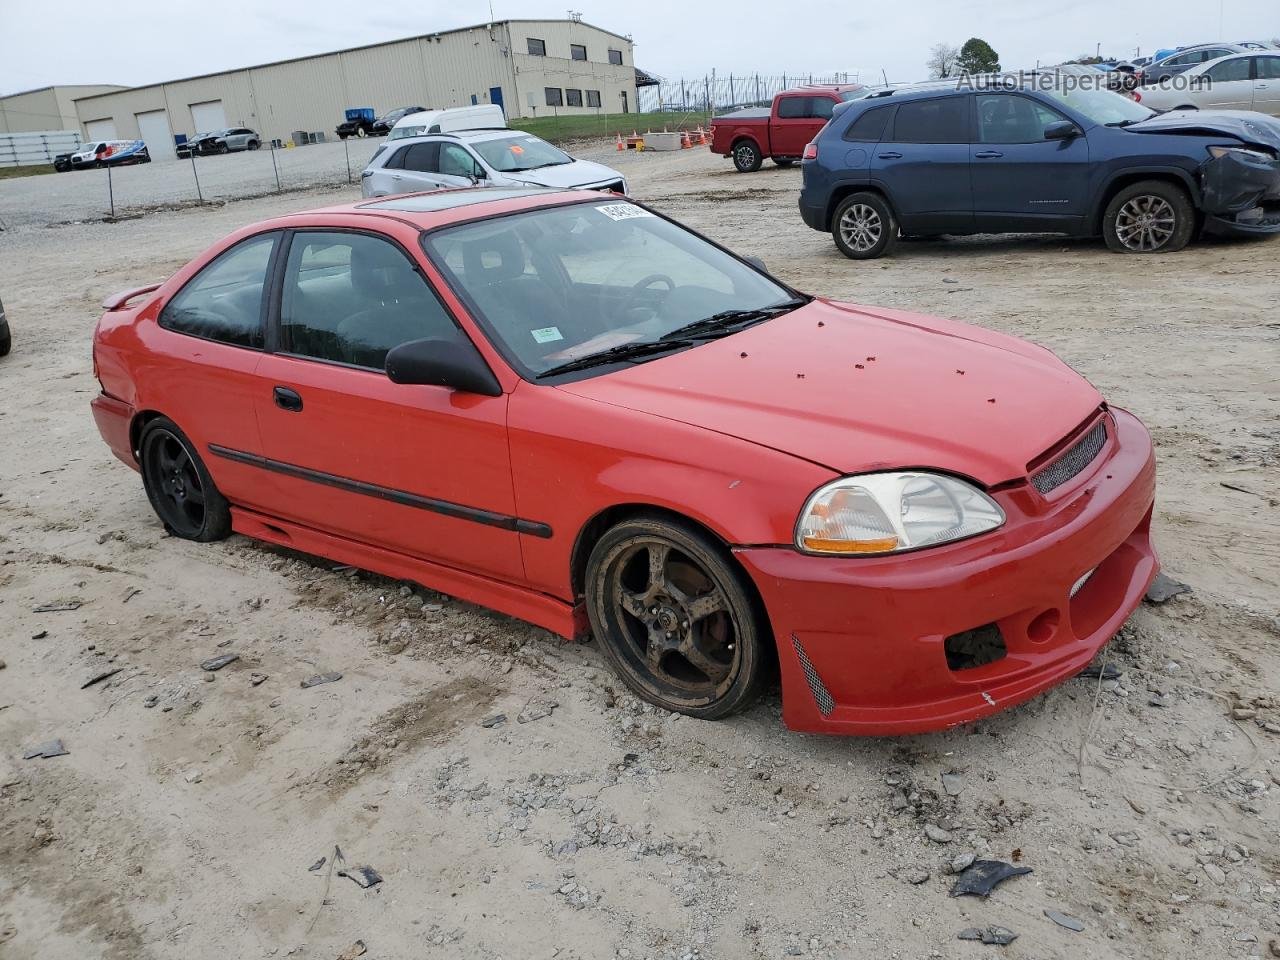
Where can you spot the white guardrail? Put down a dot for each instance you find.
(33, 149)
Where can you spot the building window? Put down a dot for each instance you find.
(615, 57)
(537, 48)
(577, 51)
(554, 97)
(593, 98)
(573, 98)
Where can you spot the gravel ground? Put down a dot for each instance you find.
(200, 815)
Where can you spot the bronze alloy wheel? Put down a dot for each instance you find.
(671, 612)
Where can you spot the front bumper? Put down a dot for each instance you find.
(1241, 195)
(861, 641)
(115, 419)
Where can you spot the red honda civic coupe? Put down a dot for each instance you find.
(569, 408)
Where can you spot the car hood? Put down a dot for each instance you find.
(576, 174)
(1244, 125)
(862, 388)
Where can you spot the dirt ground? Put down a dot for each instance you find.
(197, 814)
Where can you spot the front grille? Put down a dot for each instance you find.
(1071, 463)
(821, 695)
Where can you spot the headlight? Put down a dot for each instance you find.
(1218, 152)
(891, 512)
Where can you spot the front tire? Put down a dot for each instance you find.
(675, 618)
(180, 489)
(746, 156)
(1152, 216)
(864, 227)
(254, 145)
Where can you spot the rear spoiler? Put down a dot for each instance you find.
(117, 300)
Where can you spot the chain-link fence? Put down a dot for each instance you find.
(712, 93)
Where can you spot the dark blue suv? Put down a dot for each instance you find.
(1037, 155)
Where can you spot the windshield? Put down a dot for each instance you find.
(519, 152)
(561, 284)
(1100, 106)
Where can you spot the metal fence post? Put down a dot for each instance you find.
(111, 193)
(732, 99)
(757, 88)
(346, 148)
(192, 155)
(274, 168)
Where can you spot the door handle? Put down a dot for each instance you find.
(988, 154)
(891, 155)
(287, 399)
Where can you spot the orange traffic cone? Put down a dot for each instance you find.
(622, 147)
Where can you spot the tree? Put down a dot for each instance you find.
(942, 61)
(976, 56)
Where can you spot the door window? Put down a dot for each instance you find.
(350, 297)
(944, 120)
(1007, 118)
(223, 302)
(1268, 68)
(422, 157)
(456, 161)
(1229, 70)
(794, 108)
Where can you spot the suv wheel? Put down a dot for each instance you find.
(746, 156)
(1148, 217)
(863, 226)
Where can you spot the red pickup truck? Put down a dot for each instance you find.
(782, 132)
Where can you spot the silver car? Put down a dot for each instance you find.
(221, 141)
(1242, 81)
(489, 157)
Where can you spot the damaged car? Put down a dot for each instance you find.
(1037, 156)
(569, 408)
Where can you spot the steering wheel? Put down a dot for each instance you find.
(639, 287)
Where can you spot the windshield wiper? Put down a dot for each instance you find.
(625, 351)
(1125, 123)
(725, 320)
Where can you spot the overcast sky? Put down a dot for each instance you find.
(145, 41)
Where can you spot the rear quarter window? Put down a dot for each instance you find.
(869, 126)
(224, 301)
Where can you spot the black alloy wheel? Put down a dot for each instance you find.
(179, 487)
(675, 618)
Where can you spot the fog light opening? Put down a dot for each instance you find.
(975, 648)
(1043, 627)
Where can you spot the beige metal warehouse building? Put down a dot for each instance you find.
(46, 109)
(531, 67)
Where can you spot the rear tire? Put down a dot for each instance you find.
(864, 227)
(361, 132)
(1152, 216)
(6, 343)
(675, 618)
(180, 489)
(746, 156)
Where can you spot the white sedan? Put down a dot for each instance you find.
(1242, 81)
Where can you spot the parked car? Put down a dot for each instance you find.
(573, 410)
(358, 123)
(1242, 81)
(220, 141)
(956, 160)
(484, 116)
(780, 132)
(490, 157)
(62, 161)
(382, 126)
(1184, 59)
(116, 153)
(6, 337)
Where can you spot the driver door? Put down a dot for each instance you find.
(418, 470)
(1228, 86)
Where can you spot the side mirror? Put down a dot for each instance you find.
(757, 263)
(1061, 130)
(455, 364)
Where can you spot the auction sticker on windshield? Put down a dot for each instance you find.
(623, 211)
(547, 334)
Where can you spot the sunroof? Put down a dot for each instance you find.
(449, 199)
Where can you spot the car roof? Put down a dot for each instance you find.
(438, 208)
(1234, 47)
(475, 135)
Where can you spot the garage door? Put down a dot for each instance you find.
(208, 116)
(153, 127)
(100, 129)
